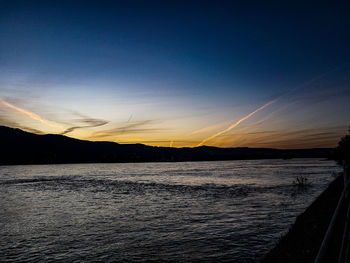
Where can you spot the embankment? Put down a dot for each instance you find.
(302, 241)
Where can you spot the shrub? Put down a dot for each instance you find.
(301, 181)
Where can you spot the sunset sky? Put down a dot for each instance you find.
(178, 73)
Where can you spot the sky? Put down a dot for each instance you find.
(178, 73)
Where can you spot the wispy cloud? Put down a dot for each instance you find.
(308, 93)
(132, 128)
(312, 137)
(87, 123)
(30, 114)
(236, 123)
(12, 124)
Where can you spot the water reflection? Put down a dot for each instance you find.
(204, 211)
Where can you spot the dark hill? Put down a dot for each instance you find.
(20, 147)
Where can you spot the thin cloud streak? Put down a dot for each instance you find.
(237, 123)
(29, 114)
(321, 136)
(12, 124)
(133, 128)
(91, 123)
(297, 88)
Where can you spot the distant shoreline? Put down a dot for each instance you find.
(18, 147)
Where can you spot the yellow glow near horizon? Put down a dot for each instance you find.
(268, 129)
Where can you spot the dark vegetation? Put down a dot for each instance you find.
(20, 147)
(342, 152)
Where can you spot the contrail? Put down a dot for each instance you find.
(236, 123)
(303, 85)
(29, 114)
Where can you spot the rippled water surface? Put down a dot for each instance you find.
(231, 211)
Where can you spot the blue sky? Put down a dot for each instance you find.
(177, 72)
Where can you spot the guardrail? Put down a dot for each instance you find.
(336, 243)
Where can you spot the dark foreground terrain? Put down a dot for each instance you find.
(20, 147)
(302, 242)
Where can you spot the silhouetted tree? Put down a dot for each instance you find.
(342, 152)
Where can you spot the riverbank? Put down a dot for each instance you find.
(302, 241)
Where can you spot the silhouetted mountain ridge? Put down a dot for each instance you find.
(20, 147)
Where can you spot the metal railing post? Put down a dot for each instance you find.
(328, 241)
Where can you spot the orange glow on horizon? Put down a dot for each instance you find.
(264, 132)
